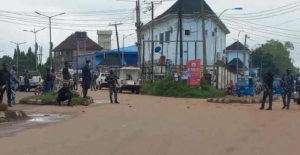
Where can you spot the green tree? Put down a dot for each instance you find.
(275, 55)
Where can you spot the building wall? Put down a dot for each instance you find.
(240, 55)
(104, 39)
(192, 24)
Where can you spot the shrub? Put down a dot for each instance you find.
(168, 87)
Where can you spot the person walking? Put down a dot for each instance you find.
(288, 88)
(86, 78)
(93, 84)
(47, 80)
(268, 89)
(112, 81)
(5, 84)
(13, 81)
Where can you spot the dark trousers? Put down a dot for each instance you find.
(52, 86)
(8, 93)
(27, 85)
(286, 98)
(265, 95)
(62, 98)
(113, 90)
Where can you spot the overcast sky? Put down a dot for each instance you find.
(97, 14)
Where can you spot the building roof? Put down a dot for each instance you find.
(234, 61)
(70, 44)
(236, 46)
(188, 7)
(128, 50)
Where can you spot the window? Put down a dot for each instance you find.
(161, 38)
(187, 32)
(242, 81)
(167, 33)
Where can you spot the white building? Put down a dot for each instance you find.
(104, 39)
(165, 30)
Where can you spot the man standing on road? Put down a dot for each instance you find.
(112, 81)
(288, 88)
(86, 78)
(47, 80)
(26, 80)
(5, 84)
(268, 89)
(13, 82)
(93, 84)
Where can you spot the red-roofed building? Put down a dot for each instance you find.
(66, 50)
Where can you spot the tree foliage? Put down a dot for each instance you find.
(275, 55)
(26, 60)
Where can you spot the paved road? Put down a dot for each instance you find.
(145, 125)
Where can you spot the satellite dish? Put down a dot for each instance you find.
(157, 49)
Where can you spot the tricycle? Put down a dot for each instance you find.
(245, 86)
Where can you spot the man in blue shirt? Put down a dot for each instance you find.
(288, 88)
(86, 78)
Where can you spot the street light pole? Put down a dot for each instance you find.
(36, 45)
(215, 53)
(124, 37)
(51, 44)
(261, 63)
(17, 43)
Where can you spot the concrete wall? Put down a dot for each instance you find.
(104, 39)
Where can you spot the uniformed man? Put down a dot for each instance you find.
(13, 83)
(86, 78)
(268, 89)
(5, 84)
(64, 94)
(112, 81)
(47, 80)
(288, 88)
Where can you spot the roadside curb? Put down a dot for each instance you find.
(7, 116)
(29, 101)
(242, 101)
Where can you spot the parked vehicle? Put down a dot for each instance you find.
(277, 88)
(245, 86)
(35, 80)
(100, 81)
(129, 79)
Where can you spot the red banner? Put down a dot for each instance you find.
(194, 66)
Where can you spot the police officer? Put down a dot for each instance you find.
(26, 80)
(64, 94)
(288, 88)
(112, 80)
(86, 78)
(268, 89)
(66, 73)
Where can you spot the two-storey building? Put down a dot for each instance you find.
(167, 37)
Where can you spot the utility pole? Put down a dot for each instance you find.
(180, 30)
(51, 44)
(152, 36)
(18, 44)
(203, 37)
(40, 55)
(116, 28)
(36, 44)
(138, 26)
(244, 59)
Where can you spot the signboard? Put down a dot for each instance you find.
(194, 66)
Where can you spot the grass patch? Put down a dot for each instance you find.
(166, 87)
(77, 100)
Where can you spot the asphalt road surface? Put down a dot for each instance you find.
(146, 125)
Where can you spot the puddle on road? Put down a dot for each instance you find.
(35, 120)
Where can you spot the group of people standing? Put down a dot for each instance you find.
(8, 83)
(288, 87)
